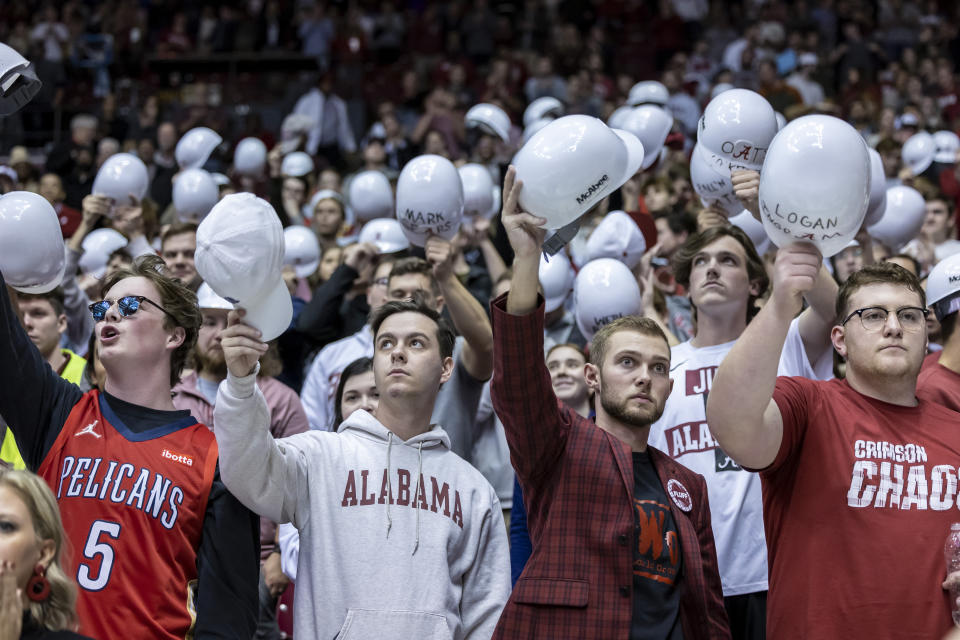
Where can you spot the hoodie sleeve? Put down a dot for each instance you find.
(268, 476)
(75, 302)
(486, 585)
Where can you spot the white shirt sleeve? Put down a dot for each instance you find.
(288, 538)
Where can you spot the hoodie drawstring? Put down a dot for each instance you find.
(416, 544)
(389, 488)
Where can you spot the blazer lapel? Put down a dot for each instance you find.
(622, 454)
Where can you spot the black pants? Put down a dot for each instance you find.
(748, 615)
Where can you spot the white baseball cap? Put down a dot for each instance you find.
(556, 277)
(948, 144)
(296, 164)
(239, 254)
(713, 184)
(617, 236)
(878, 189)
(918, 152)
(648, 92)
(815, 184)
(651, 125)
(194, 194)
(301, 250)
(545, 107)
(195, 147)
(738, 126)
(370, 195)
(572, 164)
(603, 291)
(477, 190)
(385, 234)
(329, 194)
(943, 284)
(32, 257)
(429, 199)
(97, 247)
(490, 118)
(250, 157)
(901, 219)
(122, 175)
(207, 298)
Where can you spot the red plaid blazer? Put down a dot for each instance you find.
(577, 484)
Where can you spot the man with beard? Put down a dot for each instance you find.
(197, 393)
(623, 542)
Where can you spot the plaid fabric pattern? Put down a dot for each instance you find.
(577, 484)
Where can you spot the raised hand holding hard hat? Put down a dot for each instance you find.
(556, 277)
(194, 148)
(32, 257)
(943, 285)
(618, 237)
(902, 217)
(737, 127)
(815, 184)
(650, 124)
(878, 189)
(123, 178)
(296, 165)
(478, 190)
(240, 250)
(370, 196)
(546, 107)
(918, 151)
(429, 199)
(571, 165)
(648, 92)
(385, 234)
(250, 157)
(604, 290)
(490, 118)
(97, 247)
(948, 144)
(194, 194)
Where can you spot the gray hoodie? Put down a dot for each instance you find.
(398, 539)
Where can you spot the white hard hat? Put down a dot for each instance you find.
(572, 164)
(713, 184)
(31, 243)
(301, 250)
(648, 92)
(194, 194)
(250, 157)
(738, 126)
(878, 189)
(719, 88)
(220, 179)
(207, 298)
(650, 124)
(385, 234)
(619, 116)
(753, 228)
(19, 80)
(97, 247)
(815, 184)
(617, 236)
(901, 219)
(195, 147)
(370, 195)
(329, 194)
(918, 151)
(477, 190)
(948, 144)
(297, 165)
(603, 291)
(429, 198)
(122, 175)
(943, 284)
(490, 118)
(535, 126)
(545, 107)
(556, 278)
(781, 120)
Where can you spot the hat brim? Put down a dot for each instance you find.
(271, 314)
(46, 286)
(945, 157)
(635, 155)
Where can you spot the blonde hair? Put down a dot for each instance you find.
(58, 612)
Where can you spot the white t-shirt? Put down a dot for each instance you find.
(53, 35)
(736, 508)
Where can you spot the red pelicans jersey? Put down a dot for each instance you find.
(133, 506)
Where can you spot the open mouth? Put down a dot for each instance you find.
(108, 334)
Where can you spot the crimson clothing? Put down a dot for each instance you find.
(68, 217)
(939, 384)
(856, 506)
(578, 486)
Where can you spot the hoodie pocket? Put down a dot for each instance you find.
(552, 591)
(367, 624)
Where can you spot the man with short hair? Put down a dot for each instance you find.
(399, 537)
(51, 188)
(858, 480)
(177, 248)
(937, 239)
(162, 550)
(622, 540)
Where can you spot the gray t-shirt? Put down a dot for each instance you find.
(456, 406)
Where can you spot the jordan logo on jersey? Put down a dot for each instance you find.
(88, 430)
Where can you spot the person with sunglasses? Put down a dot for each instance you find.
(858, 475)
(161, 548)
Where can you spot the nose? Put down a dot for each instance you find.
(892, 326)
(113, 313)
(398, 354)
(368, 404)
(643, 376)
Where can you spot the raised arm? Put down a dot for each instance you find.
(740, 409)
(817, 319)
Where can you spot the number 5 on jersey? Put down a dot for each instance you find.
(95, 547)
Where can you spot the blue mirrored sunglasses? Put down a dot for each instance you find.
(127, 306)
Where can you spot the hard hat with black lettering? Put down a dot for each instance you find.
(603, 291)
(429, 199)
(943, 287)
(711, 181)
(738, 126)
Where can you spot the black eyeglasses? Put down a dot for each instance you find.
(873, 318)
(127, 306)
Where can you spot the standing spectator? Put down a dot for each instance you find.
(803, 81)
(52, 34)
(164, 166)
(330, 137)
(79, 149)
(316, 32)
